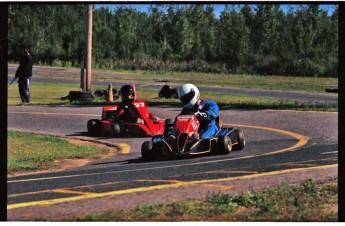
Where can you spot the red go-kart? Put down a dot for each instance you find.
(146, 125)
(180, 139)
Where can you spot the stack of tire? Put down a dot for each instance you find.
(83, 97)
(103, 94)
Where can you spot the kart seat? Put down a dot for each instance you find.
(219, 122)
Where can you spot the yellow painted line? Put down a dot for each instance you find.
(302, 140)
(50, 113)
(223, 172)
(158, 187)
(305, 163)
(65, 191)
(125, 148)
(77, 187)
(168, 181)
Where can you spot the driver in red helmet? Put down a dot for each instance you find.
(125, 111)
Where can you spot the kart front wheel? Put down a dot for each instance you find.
(147, 152)
(93, 127)
(241, 141)
(115, 129)
(224, 145)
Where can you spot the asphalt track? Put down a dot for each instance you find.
(281, 146)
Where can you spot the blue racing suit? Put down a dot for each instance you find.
(208, 127)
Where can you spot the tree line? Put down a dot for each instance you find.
(245, 39)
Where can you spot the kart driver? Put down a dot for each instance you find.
(206, 111)
(126, 112)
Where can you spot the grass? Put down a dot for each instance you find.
(306, 84)
(30, 152)
(309, 201)
(50, 94)
(290, 83)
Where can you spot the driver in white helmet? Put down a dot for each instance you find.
(207, 111)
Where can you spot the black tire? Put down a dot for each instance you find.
(168, 127)
(82, 97)
(99, 93)
(93, 127)
(224, 145)
(241, 141)
(80, 94)
(116, 130)
(85, 100)
(147, 152)
(166, 91)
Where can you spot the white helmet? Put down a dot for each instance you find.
(189, 94)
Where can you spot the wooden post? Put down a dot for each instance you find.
(82, 79)
(89, 48)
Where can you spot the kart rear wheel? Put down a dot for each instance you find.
(241, 141)
(115, 129)
(168, 127)
(224, 145)
(147, 152)
(93, 127)
(169, 122)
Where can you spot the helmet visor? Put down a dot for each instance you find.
(185, 99)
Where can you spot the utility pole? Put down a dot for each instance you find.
(89, 48)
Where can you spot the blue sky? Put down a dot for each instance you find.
(218, 7)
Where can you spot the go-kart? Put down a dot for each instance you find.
(180, 139)
(111, 124)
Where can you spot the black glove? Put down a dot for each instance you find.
(201, 115)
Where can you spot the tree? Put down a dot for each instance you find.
(233, 38)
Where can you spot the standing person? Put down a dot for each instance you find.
(24, 73)
(207, 111)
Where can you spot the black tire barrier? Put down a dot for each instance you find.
(84, 97)
(331, 90)
(168, 92)
(103, 94)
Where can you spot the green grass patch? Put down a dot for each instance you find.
(309, 201)
(42, 93)
(289, 83)
(306, 84)
(236, 101)
(30, 152)
(50, 94)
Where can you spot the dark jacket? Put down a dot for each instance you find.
(209, 126)
(25, 67)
